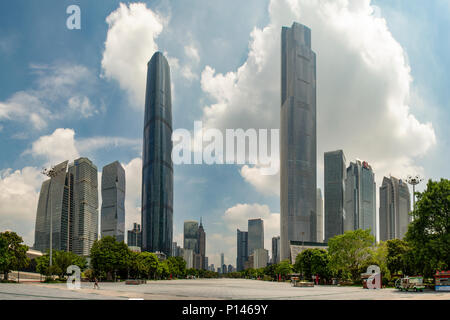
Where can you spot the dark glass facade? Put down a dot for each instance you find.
(255, 235)
(157, 167)
(297, 138)
(242, 249)
(334, 182)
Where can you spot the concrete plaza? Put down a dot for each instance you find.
(199, 289)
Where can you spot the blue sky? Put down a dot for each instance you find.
(58, 74)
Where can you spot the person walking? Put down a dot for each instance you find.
(96, 283)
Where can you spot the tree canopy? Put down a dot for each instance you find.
(13, 254)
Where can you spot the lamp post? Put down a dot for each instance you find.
(51, 173)
(414, 181)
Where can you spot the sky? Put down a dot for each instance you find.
(382, 96)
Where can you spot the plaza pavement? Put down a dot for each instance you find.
(200, 289)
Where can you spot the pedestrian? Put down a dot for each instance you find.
(96, 283)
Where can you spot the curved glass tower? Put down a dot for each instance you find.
(157, 168)
(297, 138)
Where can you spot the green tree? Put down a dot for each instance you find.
(13, 254)
(396, 262)
(313, 261)
(150, 264)
(350, 252)
(428, 235)
(60, 261)
(284, 268)
(110, 256)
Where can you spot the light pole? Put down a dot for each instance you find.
(414, 181)
(51, 173)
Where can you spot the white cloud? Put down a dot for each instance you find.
(133, 175)
(129, 45)
(82, 105)
(363, 81)
(19, 193)
(192, 53)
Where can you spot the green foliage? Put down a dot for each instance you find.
(13, 254)
(428, 235)
(284, 268)
(397, 257)
(349, 253)
(110, 256)
(313, 261)
(60, 261)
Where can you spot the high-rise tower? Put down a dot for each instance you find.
(157, 167)
(242, 249)
(255, 235)
(113, 201)
(334, 186)
(395, 205)
(297, 138)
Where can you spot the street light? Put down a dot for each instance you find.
(414, 181)
(51, 173)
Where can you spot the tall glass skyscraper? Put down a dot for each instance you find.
(360, 211)
(191, 236)
(157, 167)
(134, 238)
(395, 205)
(319, 220)
(84, 224)
(242, 249)
(53, 202)
(297, 138)
(255, 235)
(276, 249)
(113, 201)
(334, 183)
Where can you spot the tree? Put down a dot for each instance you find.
(60, 261)
(397, 251)
(13, 254)
(313, 262)
(150, 264)
(428, 235)
(349, 253)
(284, 268)
(110, 256)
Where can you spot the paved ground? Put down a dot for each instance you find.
(207, 289)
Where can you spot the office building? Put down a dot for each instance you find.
(360, 212)
(298, 247)
(188, 256)
(334, 192)
(84, 228)
(276, 250)
(319, 219)
(134, 236)
(191, 235)
(255, 235)
(201, 246)
(242, 249)
(230, 268)
(54, 201)
(261, 258)
(157, 166)
(395, 205)
(113, 201)
(297, 138)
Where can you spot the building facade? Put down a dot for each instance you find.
(395, 205)
(276, 250)
(255, 235)
(261, 258)
(297, 137)
(113, 201)
(360, 207)
(202, 246)
(157, 166)
(191, 235)
(334, 192)
(85, 205)
(134, 236)
(242, 249)
(319, 219)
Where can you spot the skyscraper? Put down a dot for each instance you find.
(134, 237)
(53, 202)
(334, 183)
(157, 166)
(360, 212)
(297, 138)
(319, 220)
(222, 259)
(276, 249)
(395, 205)
(113, 201)
(255, 235)
(202, 245)
(84, 226)
(242, 249)
(191, 236)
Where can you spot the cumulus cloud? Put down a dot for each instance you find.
(363, 87)
(51, 96)
(133, 174)
(129, 45)
(19, 193)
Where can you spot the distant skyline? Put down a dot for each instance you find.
(382, 96)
